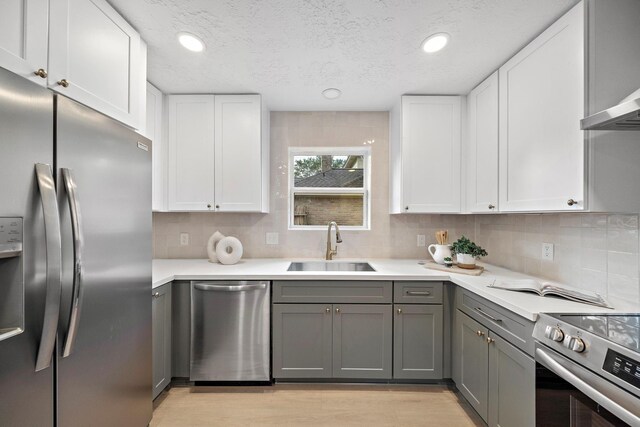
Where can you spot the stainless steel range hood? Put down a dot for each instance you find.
(624, 116)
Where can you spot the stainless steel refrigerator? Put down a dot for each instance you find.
(75, 264)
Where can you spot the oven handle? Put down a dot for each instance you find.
(593, 386)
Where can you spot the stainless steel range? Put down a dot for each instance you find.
(587, 370)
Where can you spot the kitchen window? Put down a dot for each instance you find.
(329, 184)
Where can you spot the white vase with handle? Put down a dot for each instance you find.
(439, 253)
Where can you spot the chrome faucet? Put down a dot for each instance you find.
(332, 252)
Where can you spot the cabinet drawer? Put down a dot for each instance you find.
(417, 292)
(513, 328)
(330, 291)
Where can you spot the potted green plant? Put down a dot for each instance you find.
(467, 252)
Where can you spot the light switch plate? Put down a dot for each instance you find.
(184, 239)
(272, 238)
(547, 251)
(421, 240)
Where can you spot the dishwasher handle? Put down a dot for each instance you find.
(240, 287)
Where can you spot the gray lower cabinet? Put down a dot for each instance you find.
(302, 337)
(417, 341)
(495, 377)
(472, 377)
(181, 329)
(161, 337)
(332, 341)
(362, 341)
(511, 385)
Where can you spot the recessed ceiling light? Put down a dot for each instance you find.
(435, 42)
(191, 42)
(331, 93)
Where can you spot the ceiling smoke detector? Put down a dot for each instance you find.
(435, 42)
(191, 42)
(332, 93)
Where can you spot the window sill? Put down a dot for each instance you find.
(324, 228)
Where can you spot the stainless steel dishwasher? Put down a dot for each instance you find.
(230, 333)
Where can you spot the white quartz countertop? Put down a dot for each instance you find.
(525, 304)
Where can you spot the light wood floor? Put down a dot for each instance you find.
(313, 405)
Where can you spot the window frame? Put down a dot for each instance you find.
(365, 152)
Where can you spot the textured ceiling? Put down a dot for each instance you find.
(290, 50)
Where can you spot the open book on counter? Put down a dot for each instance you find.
(551, 289)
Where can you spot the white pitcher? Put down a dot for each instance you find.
(439, 252)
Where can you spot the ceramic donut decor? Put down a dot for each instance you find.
(211, 245)
(229, 250)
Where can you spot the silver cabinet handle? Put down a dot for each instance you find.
(229, 288)
(156, 295)
(337, 311)
(399, 311)
(487, 315)
(78, 270)
(609, 396)
(53, 240)
(572, 202)
(421, 293)
(491, 206)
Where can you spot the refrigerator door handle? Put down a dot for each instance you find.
(53, 239)
(78, 270)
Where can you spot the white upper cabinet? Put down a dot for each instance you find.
(153, 131)
(482, 151)
(542, 88)
(95, 58)
(238, 153)
(23, 38)
(191, 177)
(217, 157)
(425, 155)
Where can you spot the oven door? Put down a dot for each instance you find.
(570, 395)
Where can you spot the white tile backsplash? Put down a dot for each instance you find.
(597, 252)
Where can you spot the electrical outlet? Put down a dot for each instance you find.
(547, 251)
(184, 239)
(272, 238)
(422, 241)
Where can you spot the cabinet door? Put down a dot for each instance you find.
(98, 53)
(23, 38)
(362, 344)
(238, 157)
(191, 177)
(541, 103)
(161, 336)
(153, 131)
(512, 386)
(417, 341)
(482, 153)
(431, 142)
(302, 340)
(473, 360)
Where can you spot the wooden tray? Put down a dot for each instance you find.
(454, 269)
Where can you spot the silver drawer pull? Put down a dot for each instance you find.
(487, 315)
(421, 293)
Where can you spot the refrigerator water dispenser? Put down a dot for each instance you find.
(11, 278)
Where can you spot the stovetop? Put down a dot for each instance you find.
(622, 329)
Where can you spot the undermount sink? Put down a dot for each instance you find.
(330, 266)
